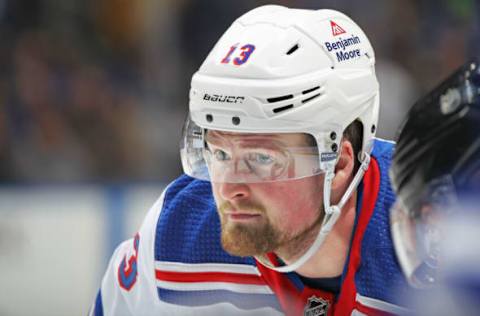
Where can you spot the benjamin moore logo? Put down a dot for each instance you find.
(345, 48)
(336, 29)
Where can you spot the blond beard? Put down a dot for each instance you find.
(257, 240)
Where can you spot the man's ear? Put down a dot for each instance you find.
(344, 167)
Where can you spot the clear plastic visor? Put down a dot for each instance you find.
(420, 234)
(417, 240)
(231, 157)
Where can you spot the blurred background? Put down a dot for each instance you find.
(93, 95)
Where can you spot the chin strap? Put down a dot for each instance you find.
(332, 213)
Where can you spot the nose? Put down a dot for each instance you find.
(233, 191)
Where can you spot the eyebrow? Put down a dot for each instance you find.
(260, 137)
(252, 144)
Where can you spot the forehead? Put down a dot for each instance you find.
(286, 139)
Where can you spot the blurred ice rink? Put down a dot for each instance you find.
(55, 242)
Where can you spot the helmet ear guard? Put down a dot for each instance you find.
(280, 70)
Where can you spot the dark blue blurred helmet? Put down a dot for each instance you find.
(436, 173)
(439, 142)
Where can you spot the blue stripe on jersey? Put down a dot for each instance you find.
(98, 309)
(295, 279)
(243, 301)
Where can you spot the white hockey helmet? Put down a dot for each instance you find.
(281, 70)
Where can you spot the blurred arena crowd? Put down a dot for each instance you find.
(97, 90)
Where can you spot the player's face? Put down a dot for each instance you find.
(281, 216)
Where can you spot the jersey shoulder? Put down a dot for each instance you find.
(188, 227)
(380, 276)
(383, 148)
(191, 267)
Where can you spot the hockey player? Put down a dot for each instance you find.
(436, 174)
(284, 208)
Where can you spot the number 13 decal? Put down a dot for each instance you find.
(246, 51)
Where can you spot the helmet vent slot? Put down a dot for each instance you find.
(280, 104)
(310, 90)
(278, 99)
(293, 49)
(311, 98)
(282, 108)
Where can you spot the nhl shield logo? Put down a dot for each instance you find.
(316, 306)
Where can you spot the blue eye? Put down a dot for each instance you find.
(220, 155)
(263, 159)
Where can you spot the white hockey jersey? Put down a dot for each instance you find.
(175, 264)
(130, 285)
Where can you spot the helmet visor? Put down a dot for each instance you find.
(419, 233)
(416, 244)
(231, 157)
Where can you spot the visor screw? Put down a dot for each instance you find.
(235, 120)
(209, 118)
(334, 148)
(373, 128)
(333, 135)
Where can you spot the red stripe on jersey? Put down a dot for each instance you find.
(371, 311)
(187, 277)
(293, 301)
(371, 187)
(289, 297)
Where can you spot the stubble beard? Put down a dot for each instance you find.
(261, 238)
(299, 244)
(248, 239)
